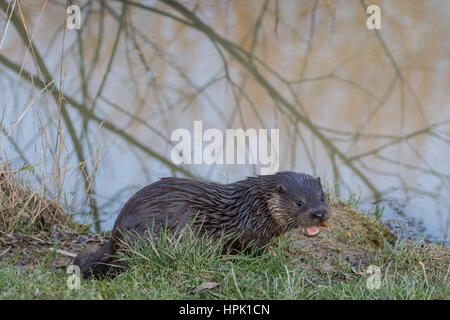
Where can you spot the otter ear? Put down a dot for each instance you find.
(280, 188)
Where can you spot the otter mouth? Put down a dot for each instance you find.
(314, 230)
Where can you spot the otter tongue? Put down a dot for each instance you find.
(312, 231)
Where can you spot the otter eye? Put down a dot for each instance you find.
(300, 203)
(322, 199)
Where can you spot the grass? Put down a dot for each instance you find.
(330, 266)
(180, 271)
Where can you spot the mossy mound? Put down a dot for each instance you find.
(354, 241)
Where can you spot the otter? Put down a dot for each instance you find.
(249, 212)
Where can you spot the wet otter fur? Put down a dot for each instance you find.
(249, 212)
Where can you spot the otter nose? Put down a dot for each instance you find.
(318, 213)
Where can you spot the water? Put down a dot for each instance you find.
(387, 117)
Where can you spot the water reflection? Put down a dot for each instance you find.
(367, 110)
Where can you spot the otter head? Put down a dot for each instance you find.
(298, 201)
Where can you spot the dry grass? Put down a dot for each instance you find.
(22, 208)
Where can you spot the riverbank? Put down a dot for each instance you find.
(38, 241)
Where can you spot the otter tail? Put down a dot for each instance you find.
(96, 262)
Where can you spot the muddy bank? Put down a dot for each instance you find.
(352, 240)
